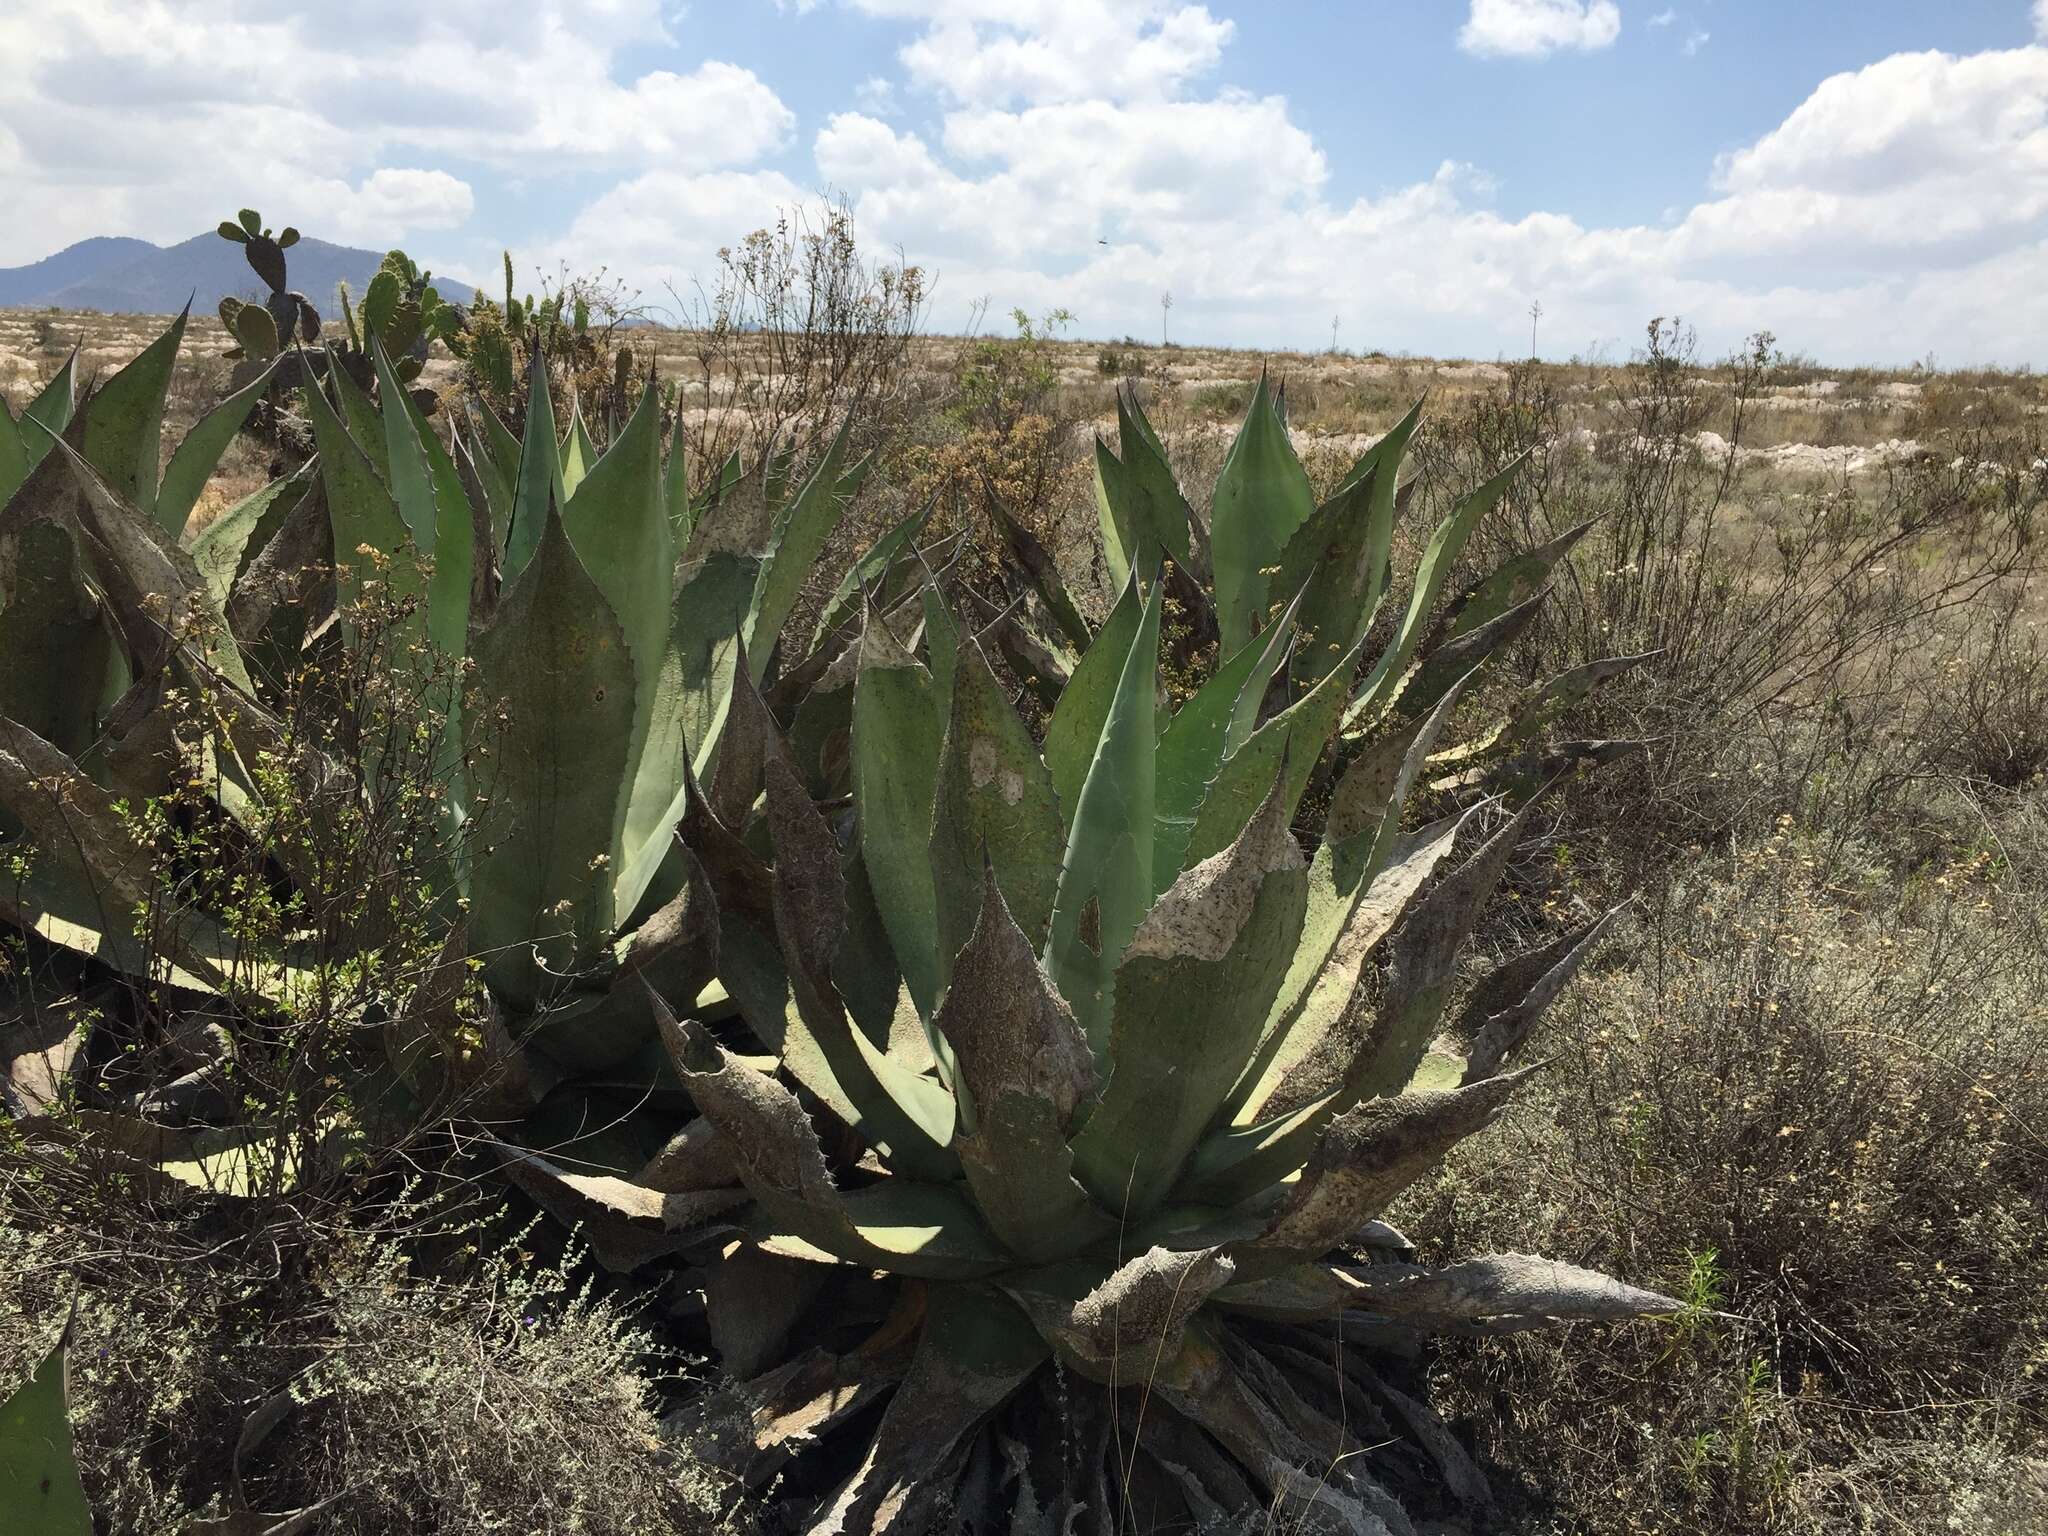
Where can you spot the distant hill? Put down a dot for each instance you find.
(121, 276)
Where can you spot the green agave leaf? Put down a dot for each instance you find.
(1075, 729)
(898, 735)
(51, 632)
(675, 488)
(1443, 666)
(14, 465)
(124, 419)
(538, 484)
(1160, 514)
(1382, 464)
(371, 540)
(801, 531)
(578, 452)
(1040, 569)
(1191, 995)
(39, 1484)
(365, 424)
(941, 643)
(224, 548)
(51, 409)
(929, 1231)
(552, 760)
(503, 452)
(620, 530)
(196, 458)
(1193, 746)
(439, 504)
(1294, 738)
(1236, 1164)
(1106, 873)
(1511, 583)
(1114, 497)
(993, 806)
(869, 569)
(1377, 692)
(1262, 496)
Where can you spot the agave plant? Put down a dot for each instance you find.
(1078, 1079)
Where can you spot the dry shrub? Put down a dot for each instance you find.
(1828, 1130)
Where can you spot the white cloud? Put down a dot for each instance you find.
(2041, 19)
(1001, 52)
(1532, 29)
(1695, 41)
(144, 115)
(1665, 18)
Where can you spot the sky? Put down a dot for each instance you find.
(1865, 179)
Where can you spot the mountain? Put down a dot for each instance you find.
(121, 276)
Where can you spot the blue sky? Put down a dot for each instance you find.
(1867, 180)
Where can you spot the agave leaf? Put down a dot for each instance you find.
(14, 464)
(1236, 1164)
(924, 1230)
(976, 1350)
(1289, 744)
(1040, 569)
(1370, 1154)
(1382, 463)
(752, 1299)
(802, 528)
(1262, 496)
(354, 407)
(1537, 712)
(371, 540)
(577, 451)
(898, 735)
(38, 1471)
(1510, 584)
(1197, 739)
(625, 1224)
(1191, 995)
(1075, 729)
(941, 643)
(225, 547)
(51, 409)
(1445, 666)
(555, 658)
(869, 570)
(1504, 1007)
(675, 487)
(620, 530)
(1106, 873)
(1160, 514)
(994, 803)
(1025, 1069)
(1434, 568)
(51, 632)
(538, 484)
(1114, 500)
(198, 455)
(1501, 1293)
(1424, 950)
(1122, 1330)
(1201, 1382)
(453, 539)
(124, 419)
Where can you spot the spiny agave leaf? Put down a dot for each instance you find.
(616, 521)
(371, 540)
(555, 715)
(1370, 1153)
(50, 409)
(577, 451)
(1026, 1069)
(13, 454)
(1124, 1329)
(1329, 562)
(941, 643)
(1445, 666)
(1197, 739)
(752, 1299)
(1237, 1163)
(1262, 496)
(976, 1350)
(1314, 1036)
(696, 1158)
(198, 455)
(1040, 569)
(1191, 995)
(1434, 568)
(124, 419)
(538, 484)
(1505, 1006)
(365, 425)
(38, 1472)
(42, 1048)
(1539, 711)
(1114, 498)
(154, 592)
(925, 1230)
(1424, 951)
(675, 487)
(1290, 743)
(1075, 730)
(625, 1224)
(436, 509)
(490, 502)
(52, 632)
(994, 803)
(801, 530)
(1511, 583)
(1106, 873)
(1501, 1293)
(1382, 462)
(1161, 515)
(898, 735)
(868, 570)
